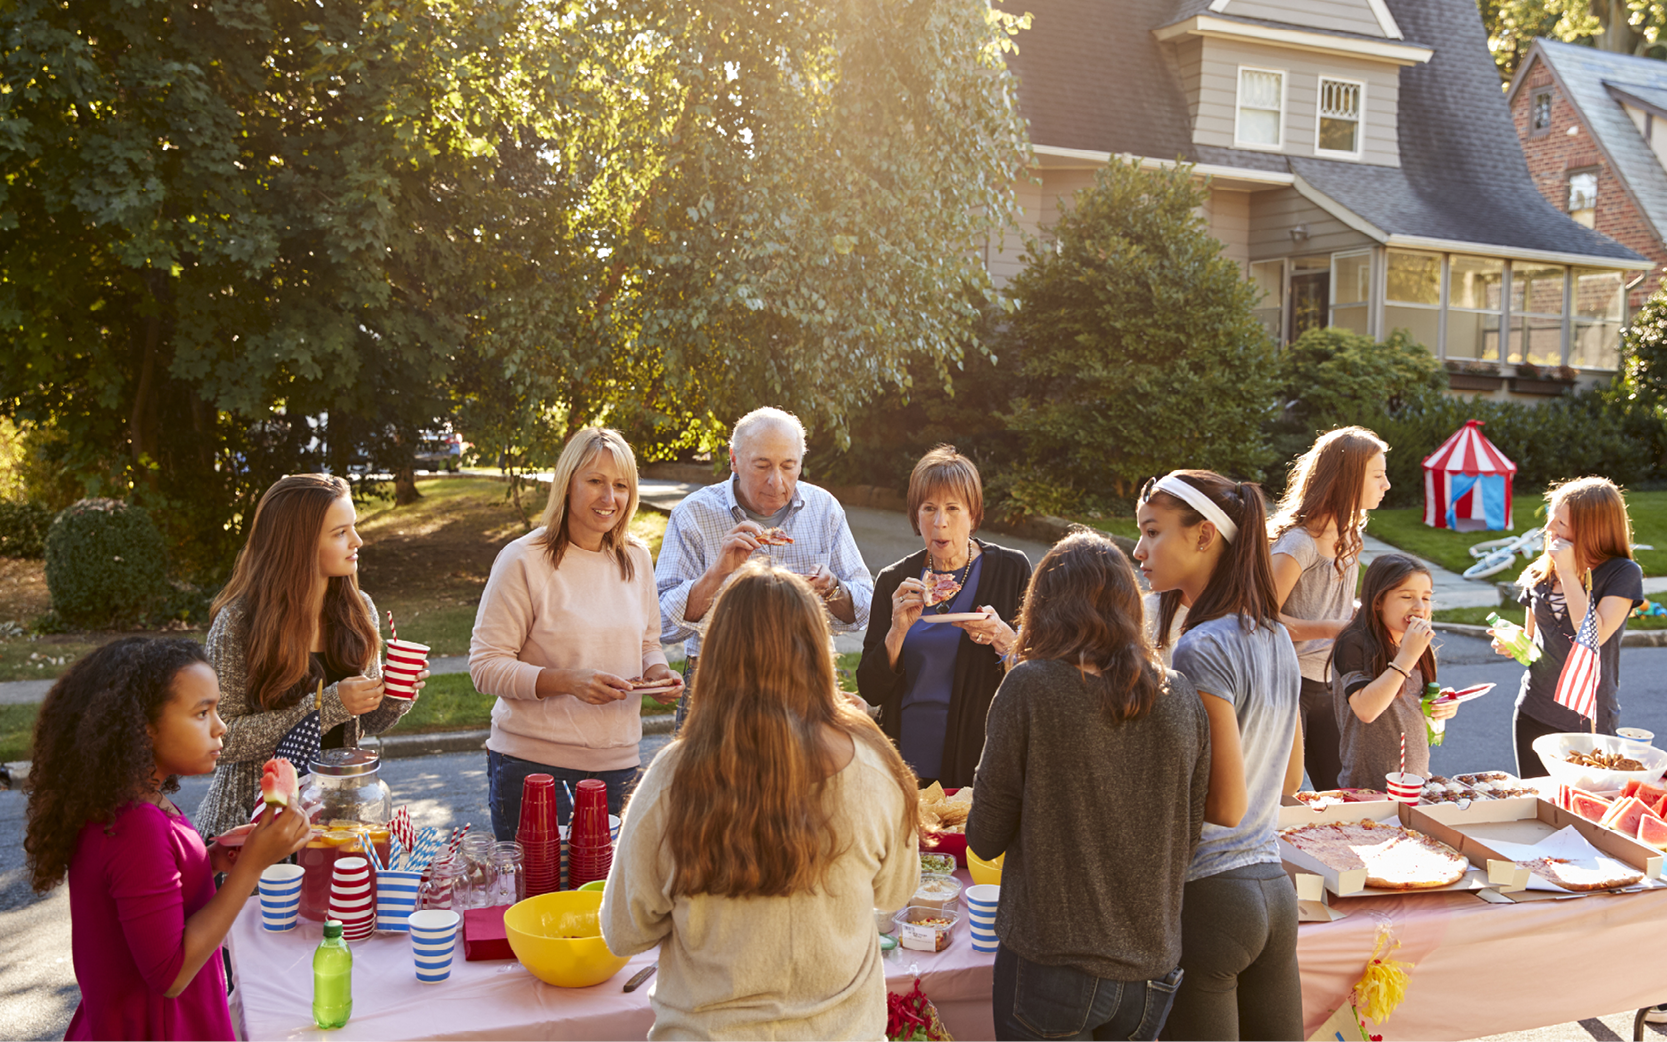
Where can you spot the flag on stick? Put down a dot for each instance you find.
(1577, 685)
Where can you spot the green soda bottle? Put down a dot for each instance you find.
(1514, 639)
(1434, 730)
(332, 978)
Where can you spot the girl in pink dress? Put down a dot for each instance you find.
(113, 737)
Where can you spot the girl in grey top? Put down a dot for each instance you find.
(1316, 553)
(1203, 544)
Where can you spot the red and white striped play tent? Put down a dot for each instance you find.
(1467, 483)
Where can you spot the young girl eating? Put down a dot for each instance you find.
(113, 737)
(1380, 665)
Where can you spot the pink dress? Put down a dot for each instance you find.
(130, 893)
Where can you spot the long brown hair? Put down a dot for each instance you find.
(1602, 529)
(1083, 608)
(274, 579)
(1325, 488)
(747, 815)
(1383, 575)
(580, 450)
(1242, 583)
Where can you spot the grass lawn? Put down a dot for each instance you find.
(1123, 526)
(1405, 528)
(17, 729)
(1515, 613)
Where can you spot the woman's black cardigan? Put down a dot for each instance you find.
(978, 669)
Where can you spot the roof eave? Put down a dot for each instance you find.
(1216, 171)
(1300, 39)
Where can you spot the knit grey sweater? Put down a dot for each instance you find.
(1098, 821)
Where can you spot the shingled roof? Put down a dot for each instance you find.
(1093, 77)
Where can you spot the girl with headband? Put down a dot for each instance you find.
(1316, 564)
(1203, 546)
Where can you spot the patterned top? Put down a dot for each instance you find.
(252, 733)
(697, 529)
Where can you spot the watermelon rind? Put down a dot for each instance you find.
(278, 784)
(1652, 831)
(1588, 806)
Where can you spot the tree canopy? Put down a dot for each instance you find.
(1618, 26)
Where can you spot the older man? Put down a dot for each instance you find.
(715, 530)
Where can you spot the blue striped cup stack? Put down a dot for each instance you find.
(280, 897)
(433, 941)
(981, 914)
(396, 898)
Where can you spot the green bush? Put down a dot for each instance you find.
(23, 528)
(105, 564)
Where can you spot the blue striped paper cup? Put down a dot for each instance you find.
(984, 942)
(396, 899)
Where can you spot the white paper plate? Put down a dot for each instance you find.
(954, 616)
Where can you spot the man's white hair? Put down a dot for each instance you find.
(765, 418)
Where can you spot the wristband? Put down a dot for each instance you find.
(1401, 671)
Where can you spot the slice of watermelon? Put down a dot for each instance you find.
(1660, 808)
(1588, 806)
(278, 783)
(1650, 794)
(1652, 831)
(1624, 816)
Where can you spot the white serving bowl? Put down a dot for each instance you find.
(1554, 747)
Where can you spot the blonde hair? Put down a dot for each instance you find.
(1602, 529)
(580, 450)
(944, 469)
(1325, 487)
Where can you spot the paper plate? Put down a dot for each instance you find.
(954, 616)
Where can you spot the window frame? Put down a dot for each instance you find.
(1568, 183)
(1238, 107)
(1359, 121)
(1534, 103)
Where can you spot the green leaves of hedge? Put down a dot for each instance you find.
(106, 565)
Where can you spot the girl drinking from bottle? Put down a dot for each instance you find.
(113, 737)
(1316, 550)
(1203, 545)
(1587, 560)
(1379, 668)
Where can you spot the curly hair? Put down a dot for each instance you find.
(92, 749)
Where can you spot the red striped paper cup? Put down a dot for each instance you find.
(405, 660)
(1404, 787)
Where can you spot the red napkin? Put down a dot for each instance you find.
(484, 938)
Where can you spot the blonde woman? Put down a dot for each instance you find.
(568, 620)
(763, 838)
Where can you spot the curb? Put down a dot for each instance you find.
(1629, 639)
(402, 746)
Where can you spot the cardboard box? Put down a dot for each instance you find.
(1352, 882)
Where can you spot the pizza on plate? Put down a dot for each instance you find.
(1394, 858)
(1582, 875)
(941, 587)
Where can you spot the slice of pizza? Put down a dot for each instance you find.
(941, 587)
(1582, 875)
(774, 537)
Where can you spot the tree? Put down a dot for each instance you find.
(1617, 26)
(1642, 385)
(1137, 345)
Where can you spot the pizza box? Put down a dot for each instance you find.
(1311, 900)
(1352, 882)
(1526, 820)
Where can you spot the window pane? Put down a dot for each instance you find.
(1415, 278)
(1472, 335)
(1536, 290)
(1269, 277)
(1597, 294)
(1583, 199)
(1423, 323)
(1339, 116)
(1474, 282)
(1261, 99)
(1352, 319)
(1338, 135)
(1257, 127)
(1351, 278)
(1597, 345)
(1537, 340)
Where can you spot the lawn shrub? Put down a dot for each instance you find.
(106, 565)
(23, 525)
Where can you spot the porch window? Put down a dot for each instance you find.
(1474, 298)
(1536, 313)
(1269, 278)
(1351, 288)
(1599, 297)
(1413, 296)
(1338, 132)
(1261, 122)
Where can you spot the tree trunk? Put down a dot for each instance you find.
(405, 486)
(1618, 36)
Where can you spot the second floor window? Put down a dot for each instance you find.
(1539, 120)
(1583, 198)
(1261, 108)
(1339, 129)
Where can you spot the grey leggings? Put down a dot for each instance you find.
(1239, 951)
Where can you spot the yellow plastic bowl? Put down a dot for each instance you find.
(580, 959)
(985, 871)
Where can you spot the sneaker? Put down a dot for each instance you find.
(1656, 1014)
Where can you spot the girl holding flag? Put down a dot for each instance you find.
(1584, 585)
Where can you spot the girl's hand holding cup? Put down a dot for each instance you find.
(359, 695)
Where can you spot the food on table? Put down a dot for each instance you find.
(774, 537)
(1394, 858)
(941, 813)
(1483, 785)
(1333, 797)
(937, 864)
(1652, 831)
(1603, 761)
(1624, 816)
(278, 784)
(1577, 875)
(1485, 776)
(937, 891)
(1588, 805)
(926, 929)
(1652, 795)
(941, 587)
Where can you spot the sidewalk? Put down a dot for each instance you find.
(1451, 590)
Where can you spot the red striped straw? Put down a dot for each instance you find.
(457, 837)
(393, 634)
(1403, 757)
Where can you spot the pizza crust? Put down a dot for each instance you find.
(1573, 875)
(1394, 858)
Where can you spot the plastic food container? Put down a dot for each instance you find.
(937, 864)
(937, 891)
(926, 929)
(883, 920)
(1554, 747)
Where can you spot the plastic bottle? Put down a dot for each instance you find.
(1434, 730)
(332, 978)
(1514, 639)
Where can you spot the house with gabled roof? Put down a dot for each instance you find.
(1360, 161)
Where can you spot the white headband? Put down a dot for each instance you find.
(1196, 499)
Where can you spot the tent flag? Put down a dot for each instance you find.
(1467, 483)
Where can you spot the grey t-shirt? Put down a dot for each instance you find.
(1255, 668)
(1321, 593)
(1371, 750)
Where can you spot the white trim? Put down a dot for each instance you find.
(1359, 122)
(1218, 6)
(1301, 39)
(1238, 107)
(1386, 21)
(1361, 251)
(1266, 177)
(1484, 249)
(1338, 210)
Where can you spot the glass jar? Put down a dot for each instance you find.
(476, 884)
(509, 883)
(440, 889)
(349, 807)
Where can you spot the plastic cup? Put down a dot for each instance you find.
(433, 943)
(280, 897)
(538, 807)
(984, 942)
(983, 897)
(1637, 734)
(405, 660)
(1404, 787)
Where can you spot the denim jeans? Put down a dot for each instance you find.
(506, 774)
(688, 689)
(1033, 1001)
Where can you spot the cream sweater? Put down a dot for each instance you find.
(804, 966)
(582, 616)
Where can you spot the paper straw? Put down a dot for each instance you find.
(457, 837)
(1403, 756)
(570, 805)
(321, 694)
(393, 634)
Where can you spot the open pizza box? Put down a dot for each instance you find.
(1312, 906)
(1472, 829)
(1352, 882)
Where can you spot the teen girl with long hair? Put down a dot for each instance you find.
(291, 616)
(113, 737)
(1093, 779)
(1587, 560)
(1316, 557)
(761, 840)
(1203, 544)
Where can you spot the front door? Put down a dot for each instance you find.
(1310, 297)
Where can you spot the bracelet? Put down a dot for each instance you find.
(1401, 671)
(833, 593)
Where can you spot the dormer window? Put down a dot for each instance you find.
(1338, 133)
(1261, 120)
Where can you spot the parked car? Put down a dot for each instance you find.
(439, 452)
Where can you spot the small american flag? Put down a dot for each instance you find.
(1577, 685)
(300, 745)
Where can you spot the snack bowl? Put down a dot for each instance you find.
(952, 844)
(926, 929)
(985, 871)
(556, 937)
(1552, 749)
(937, 891)
(595, 884)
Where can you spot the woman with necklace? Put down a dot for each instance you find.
(931, 669)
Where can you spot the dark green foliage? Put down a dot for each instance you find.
(106, 564)
(1643, 383)
(23, 528)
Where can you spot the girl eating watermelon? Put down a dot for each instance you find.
(113, 737)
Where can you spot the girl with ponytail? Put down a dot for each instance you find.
(1203, 546)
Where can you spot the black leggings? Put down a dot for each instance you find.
(1322, 743)
(1527, 729)
(1239, 951)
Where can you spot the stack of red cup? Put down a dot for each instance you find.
(590, 849)
(353, 897)
(538, 835)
